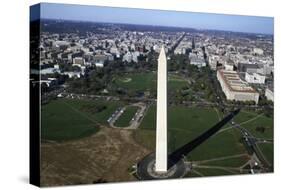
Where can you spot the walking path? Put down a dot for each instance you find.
(251, 119)
(220, 158)
(134, 124)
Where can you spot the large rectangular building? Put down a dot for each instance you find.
(236, 89)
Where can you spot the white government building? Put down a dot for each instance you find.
(255, 78)
(234, 88)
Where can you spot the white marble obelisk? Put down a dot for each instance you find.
(161, 121)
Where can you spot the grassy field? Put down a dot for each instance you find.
(125, 118)
(219, 146)
(176, 82)
(184, 124)
(251, 121)
(213, 172)
(147, 82)
(267, 150)
(72, 119)
(138, 81)
(66, 119)
(235, 161)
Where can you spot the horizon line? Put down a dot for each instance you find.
(141, 16)
(157, 25)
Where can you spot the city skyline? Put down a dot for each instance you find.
(132, 102)
(211, 21)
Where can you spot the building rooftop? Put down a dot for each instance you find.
(234, 83)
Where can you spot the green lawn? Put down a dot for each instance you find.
(228, 161)
(148, 82)
(219, 145)
(176, 82)
(267, 151)
(251, 121)
(72, 119)
(184, 124)
(214, 172)
(137, 82)
(192, 173)
(224, 149)
(125, 118)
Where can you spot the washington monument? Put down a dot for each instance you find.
(161, 122)
(172, 165)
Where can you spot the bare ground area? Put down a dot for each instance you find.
(105, 156)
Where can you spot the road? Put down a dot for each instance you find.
(177, 43)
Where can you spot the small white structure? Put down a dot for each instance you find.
(49, 70)
(73, 74)
(258, 51)
(135, 55)
(78, 61)
(228, 67)
(57, 66)
(255, 78)
(60, 95)
(59, 43)
(197, 60)
(161, 121)
(269, 94)
(99, 64)
(128, 57)
(213, 60)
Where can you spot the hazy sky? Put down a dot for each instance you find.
(251, 24)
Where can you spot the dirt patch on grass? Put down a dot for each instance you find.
(103, 157)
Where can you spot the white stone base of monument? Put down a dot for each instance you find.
(160, 174)
(146, 169)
